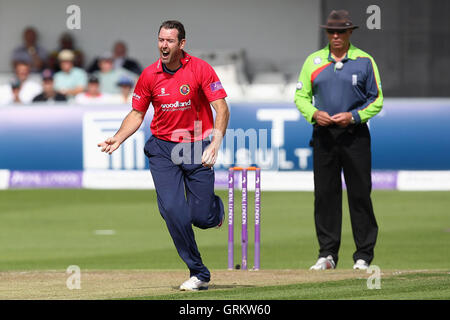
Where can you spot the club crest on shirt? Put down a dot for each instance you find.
(185, 89)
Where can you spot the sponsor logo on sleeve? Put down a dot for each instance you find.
(136, 97)
(317, 60)
(216, 86)
(299, 85)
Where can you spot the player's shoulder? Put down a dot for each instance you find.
(198, 63)
(317, 59)
(147, 75)
(357, 53)
(321, 54)
(151, 68)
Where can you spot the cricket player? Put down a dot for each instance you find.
(346, 87)
(182, 89)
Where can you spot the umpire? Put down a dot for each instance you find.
(346, 87)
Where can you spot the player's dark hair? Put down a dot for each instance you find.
(174, 24)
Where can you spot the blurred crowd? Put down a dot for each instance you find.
(64, 75)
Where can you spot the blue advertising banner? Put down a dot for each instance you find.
(408, 134)
(412, 134)
(41, 138)
(65, 137)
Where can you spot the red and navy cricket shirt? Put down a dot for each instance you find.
(180, 100)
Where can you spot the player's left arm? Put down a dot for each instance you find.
(374, 94)
(210, 154)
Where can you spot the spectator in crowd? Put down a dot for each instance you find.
(71, 80)
(108, 76)
(30, 51)
(22, 89)
(126, 90)
(92, 95)
(48, 91)
(121, 60)
(66, 42)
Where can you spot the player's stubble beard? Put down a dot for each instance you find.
(172, 60)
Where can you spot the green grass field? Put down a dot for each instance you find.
(409, 286)
(52, 229)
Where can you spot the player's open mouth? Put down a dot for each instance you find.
(165, 54)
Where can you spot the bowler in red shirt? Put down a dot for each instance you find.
(182, 89)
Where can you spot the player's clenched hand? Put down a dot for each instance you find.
(209, 156)
(109, 145)
(322, 118)
(342, 119)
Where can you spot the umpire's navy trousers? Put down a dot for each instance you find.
(186, 196)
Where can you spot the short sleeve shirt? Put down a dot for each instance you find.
(77, 77)
(181, 101)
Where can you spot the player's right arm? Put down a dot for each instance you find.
(132, 122)
(303, 97)
(130, 125)
(303, 93)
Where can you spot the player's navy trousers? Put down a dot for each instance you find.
(185, 192)
(347, 150)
